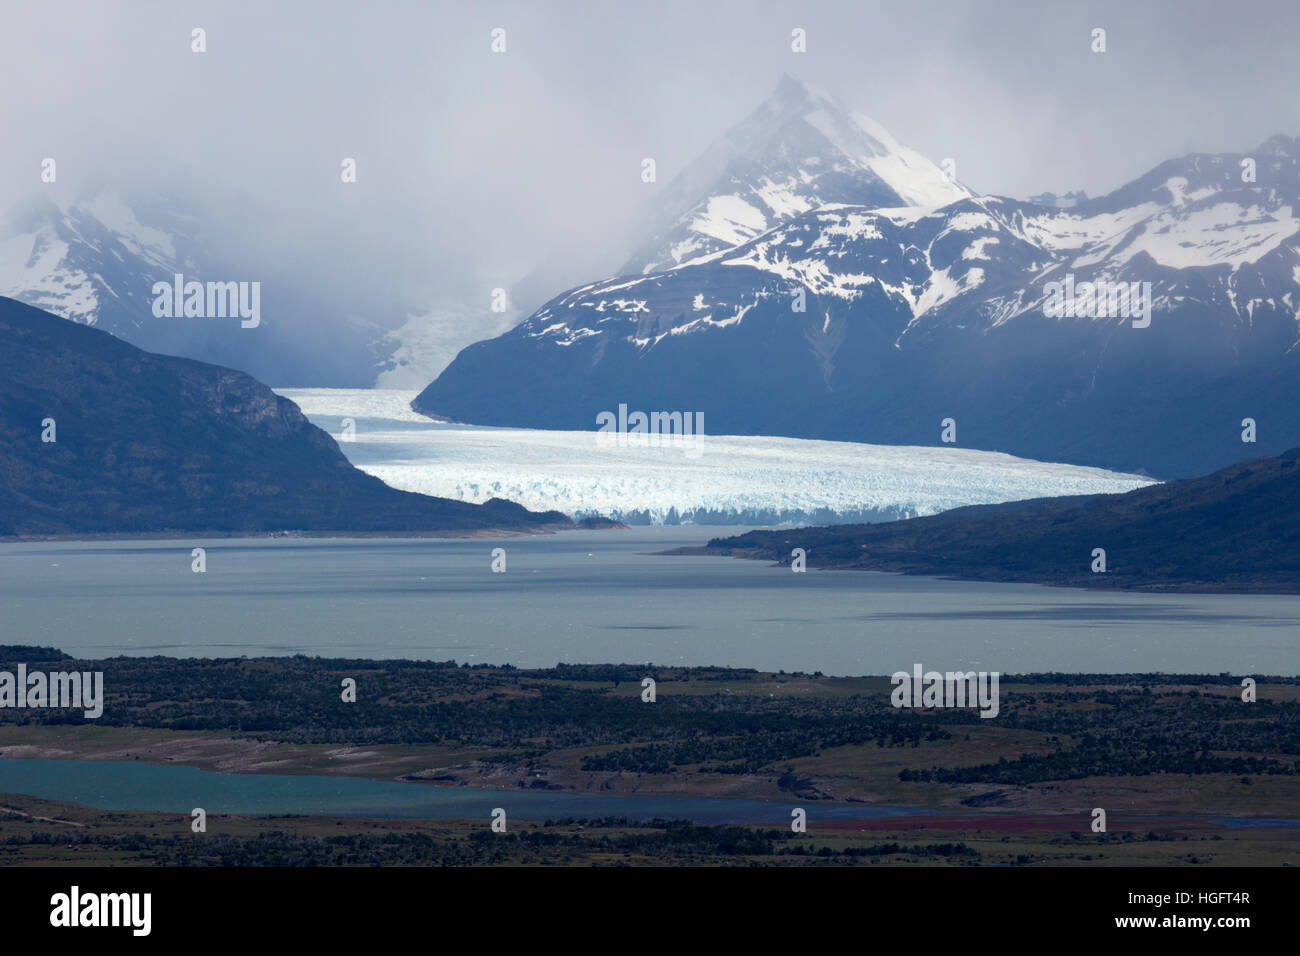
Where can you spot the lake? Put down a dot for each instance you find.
(164, 788)
(169, 788)
(601, 596)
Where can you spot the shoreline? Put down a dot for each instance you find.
(892, 817)
(875, 769)
(1147, 587)
(291, 535)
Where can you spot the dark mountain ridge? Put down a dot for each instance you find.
(1237, 529)
(151, 444)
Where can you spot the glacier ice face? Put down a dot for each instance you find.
(725, 480)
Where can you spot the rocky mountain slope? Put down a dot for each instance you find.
(146, 443)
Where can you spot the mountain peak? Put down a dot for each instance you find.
(795, 94)
(800, 149)
(789, 87)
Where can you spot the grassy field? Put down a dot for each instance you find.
(1159, 753)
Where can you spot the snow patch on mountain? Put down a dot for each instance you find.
(147, 242)
(425, 344)
(1225, 233)
(90, 261)
(729, 219)
(32, 270)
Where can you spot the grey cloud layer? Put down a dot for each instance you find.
(473, 166)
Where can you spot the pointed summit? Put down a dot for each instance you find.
(789, 85)
(791, 90)
(800, 149)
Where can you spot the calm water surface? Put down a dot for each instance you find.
(132, 785)
(601, 597)
(168, 788)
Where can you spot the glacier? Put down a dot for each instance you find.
(728, 479)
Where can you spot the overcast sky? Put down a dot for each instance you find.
(473, 166)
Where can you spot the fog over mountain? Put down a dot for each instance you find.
(522, 171)
(815, 278)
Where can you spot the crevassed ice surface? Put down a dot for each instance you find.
(721, 479)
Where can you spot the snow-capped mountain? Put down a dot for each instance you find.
(731, 480)
(854, 322)
(95, 261)
(800, 150)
